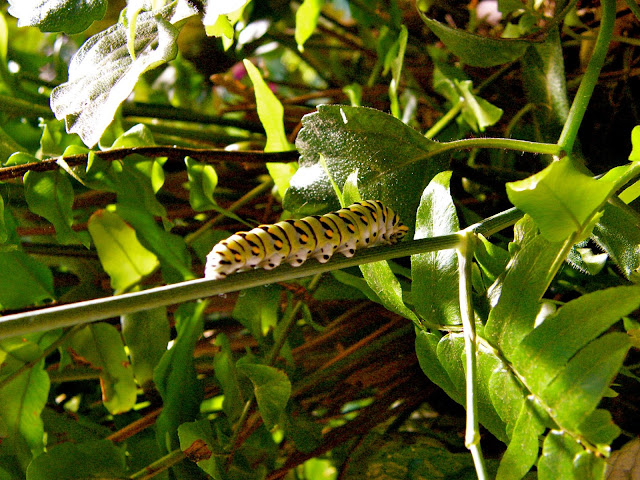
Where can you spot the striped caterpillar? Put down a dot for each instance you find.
(363, 224)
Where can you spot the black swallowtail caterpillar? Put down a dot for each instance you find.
(363, 224)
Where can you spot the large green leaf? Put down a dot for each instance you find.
(50, 195)
(122, 255)
(271, 386)
(474, 49)
(560, 211)
(102, 73)
(257, 309)
(69, 461)
(176, 379)
(542, 354)
(146, 334)
(392, 160)
(520, 290)
(100, 346)
(68, 16)
(578, 389)
(434, 288)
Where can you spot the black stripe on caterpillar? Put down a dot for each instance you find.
(361, 225)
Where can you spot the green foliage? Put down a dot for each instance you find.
(173, 122)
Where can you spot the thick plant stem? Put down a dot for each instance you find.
(590, 78)
(472, 434)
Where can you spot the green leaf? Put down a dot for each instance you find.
(578, 389)
(560, 211)
(388, 155)
(435, 274)
(170, 249)
(306, 20)
(146, 334)
(519, 291)
(542, 354)
(272, 389)
(69, 461)
(563, 457)
(635, 142)
(477, 112)
(100, 345)
(378, 275)
(22, 400)
(426, 351)
(220, 17)
(544, 80)
(476, 50)
(68, 16)
(396, 56)
(136, 180)
(522, 451)
(102, 74)
(270, 111)
(24, 280)
(199, 444)
(8, 146)
(50, 195)
(492, 259)
(203, 180)
(599, 429)
(257, 309)
(176, 378)
(227, 376)
(122, 256)
(618, 235)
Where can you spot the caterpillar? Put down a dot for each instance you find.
(363, 224)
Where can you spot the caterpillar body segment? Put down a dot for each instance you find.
(361, 225)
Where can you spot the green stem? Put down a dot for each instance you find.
(102, 308)
(472, 435)
(444, 120)
(590, 78)
(159, 466)
(634, 7)
(17, 106)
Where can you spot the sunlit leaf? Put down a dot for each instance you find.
(435, 274)
(122, 255)
(560, 211)
(102, 74)
(69, 16)
(199, 444)
(390, 157)
(306, 20)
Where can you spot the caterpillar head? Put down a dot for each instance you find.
(399, 231)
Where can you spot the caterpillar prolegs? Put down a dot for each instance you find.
(363, 224)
